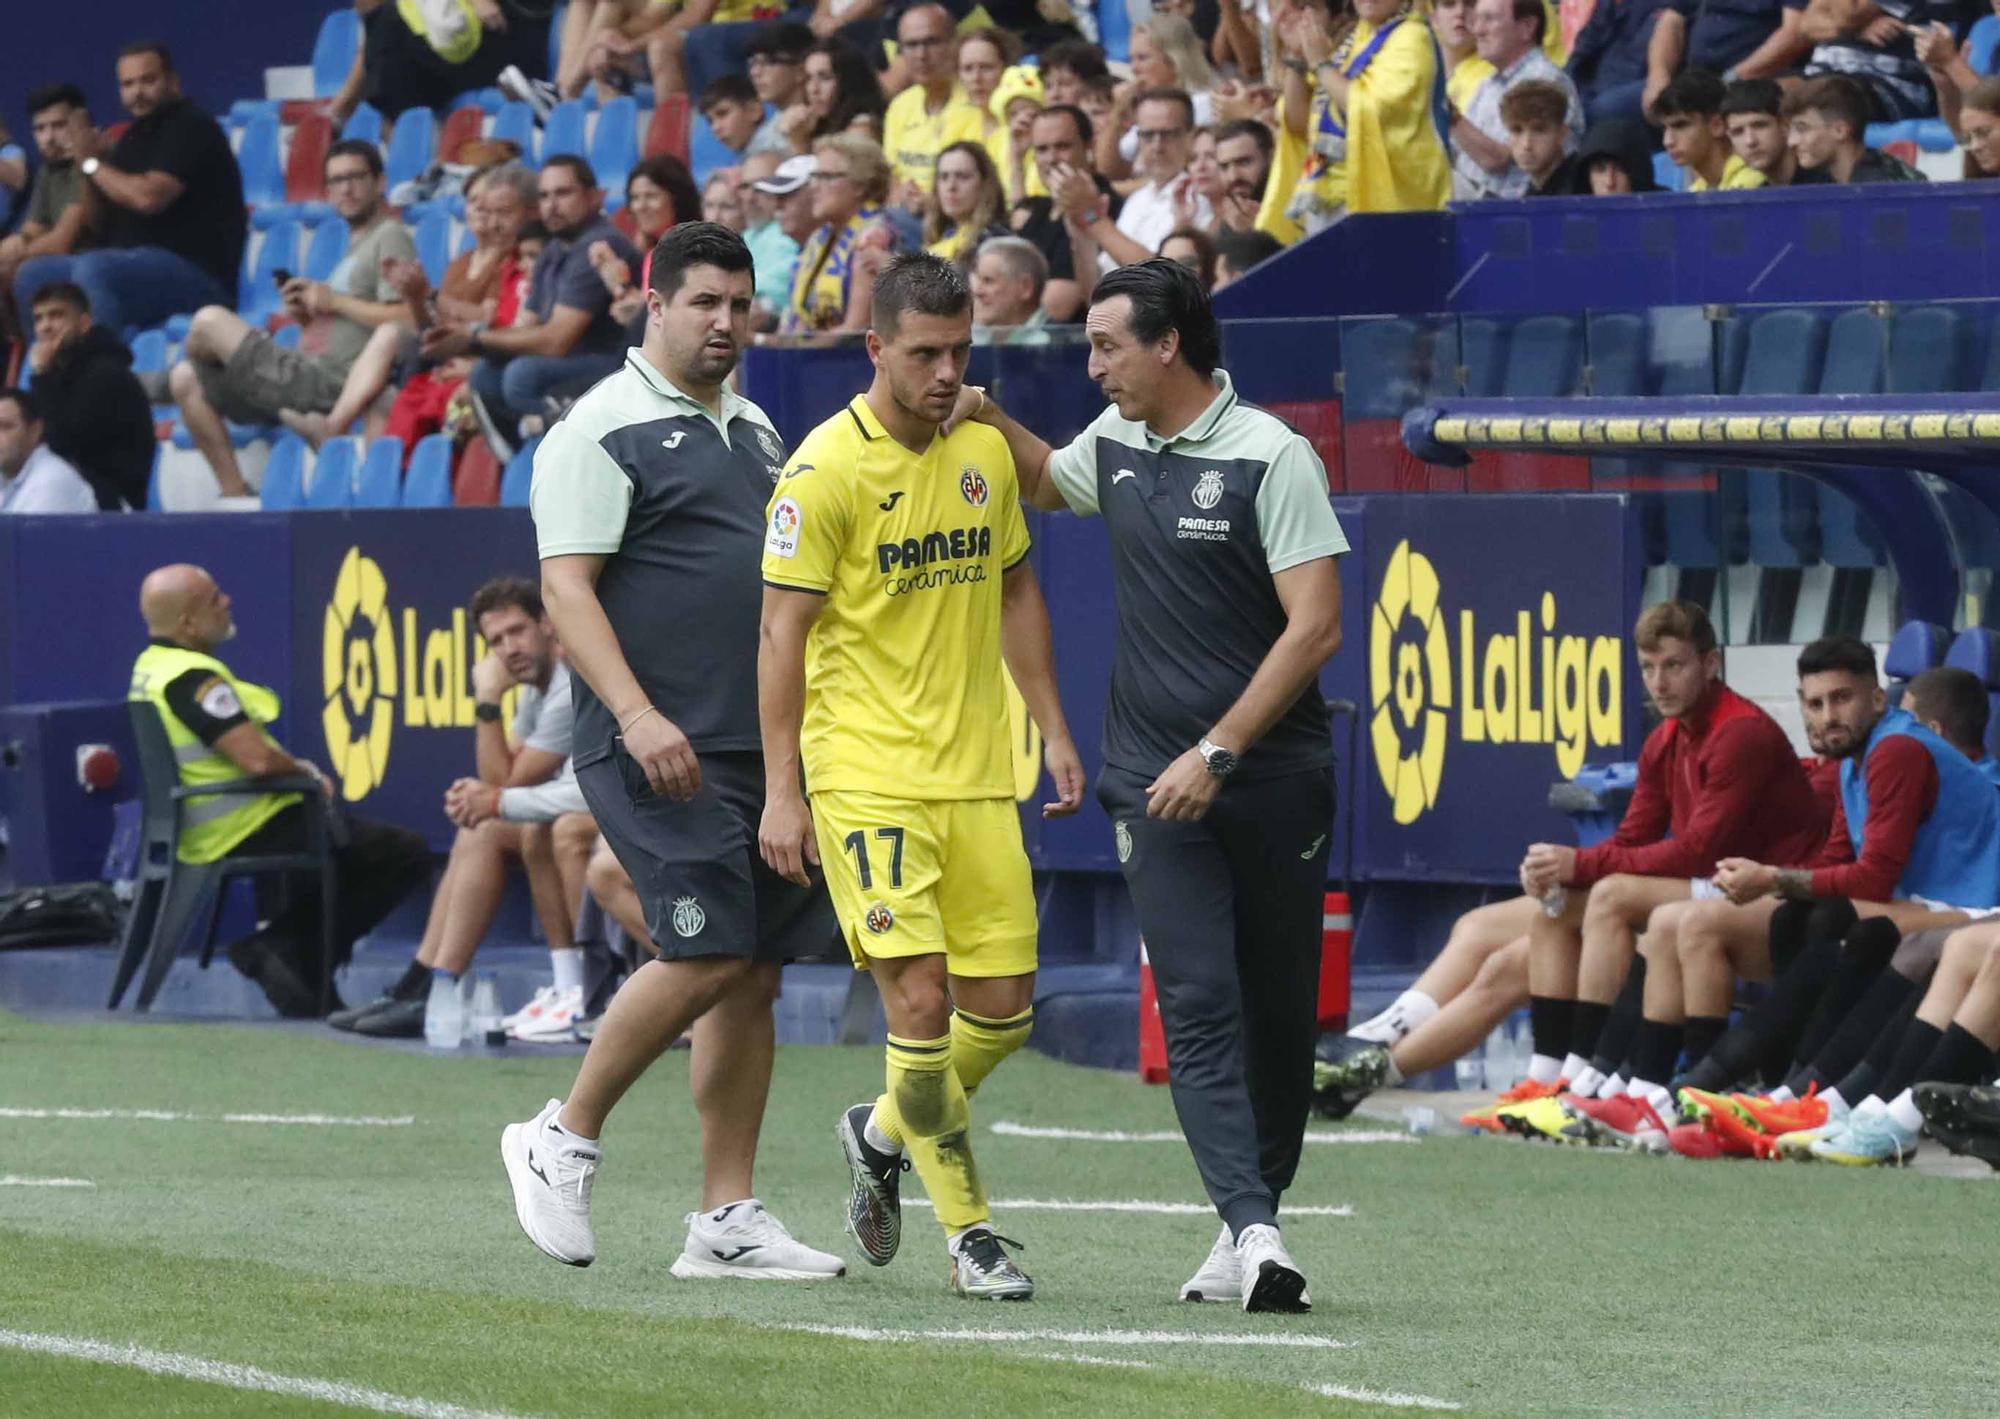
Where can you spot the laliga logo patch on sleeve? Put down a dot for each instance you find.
(783, 539)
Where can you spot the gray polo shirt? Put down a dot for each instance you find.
(673, 498)
(545, 719)
(1199, 524)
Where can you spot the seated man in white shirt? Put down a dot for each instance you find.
(521, 789)
(32, 478)
(1164, 122)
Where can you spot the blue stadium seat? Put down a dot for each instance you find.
(243, 110)
(1378, 359)
(1856, 351)
(324, 249)
(380, 482)
(1544, 355)
(514, 483)
(333, 474)
(1617, 355)
(563, 133)
(1933, 135)
(1930, 351)
(487, 100)
(1784, 353)
(1668, 173)
(706, 152)
(1916, 647)
(153, 501)
(412, 146)
(149, 352)
(516, 121)
(1114, 29)
(286, 337)
(1982, 44)
(258, 158)
(433, 238)
(1483, 352)
(614, 148)
(427, 481)
(285, 475)
(1881, 135)
(279, 251)
(333, 51)
(555, 38)
(1977, 648)
(364, 123)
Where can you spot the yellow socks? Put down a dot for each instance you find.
(925, 1108)
(979, 1044)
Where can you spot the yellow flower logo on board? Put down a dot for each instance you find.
(1409, 664)
(358, 676)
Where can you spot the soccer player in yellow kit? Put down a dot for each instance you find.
(896, 580)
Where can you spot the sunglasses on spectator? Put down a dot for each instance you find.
(1158, 135)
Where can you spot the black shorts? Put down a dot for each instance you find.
(705, 889)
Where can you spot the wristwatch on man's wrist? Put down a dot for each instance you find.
(1221, 762)
(486, 712)
(89, 166)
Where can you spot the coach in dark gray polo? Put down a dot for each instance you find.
(1218, 761)
(648, 500)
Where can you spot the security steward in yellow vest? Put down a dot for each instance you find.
(215, 723)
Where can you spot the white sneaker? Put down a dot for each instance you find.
(538, 94)
(540, 1001)
(1271, 1280)
(1220, 1278)
(551, 1019)
(551, 1174)
(744, 1240)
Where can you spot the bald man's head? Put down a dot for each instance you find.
(182, 603)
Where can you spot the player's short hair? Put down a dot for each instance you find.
(1956, 699)
(1021, 258)
(1534, 102)
(31, 408)
(518, 592)
(1680, 620)
(1984, 96)
(1239, 251)
(727, 88)
(1076, 56)
(355, 148)
(1692, 93)
(148, 46)
(1167, 95)
(1165, 296)
(1834, 97)
(1084, 130)
(1845, 653)
(579, 168)
(787, 42)
(62, 293)
(52, 95)
(1766, 96)
(696, 244)
(918, 282)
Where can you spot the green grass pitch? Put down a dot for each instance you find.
(218, 1268)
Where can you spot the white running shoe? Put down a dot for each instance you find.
(553, 1019)
(743, 1240)
(537, 1003)
(551, 1174)
(1220, 1278)
(1271, 1280)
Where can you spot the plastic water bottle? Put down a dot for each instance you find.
(1421, 1121)
(1554, 902)
(1498, 1061)
(1469, 1072)
(483, 1020)
(444, 1013)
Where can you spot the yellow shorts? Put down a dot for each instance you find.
(916, 877)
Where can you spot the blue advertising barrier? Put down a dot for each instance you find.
(1482, 666)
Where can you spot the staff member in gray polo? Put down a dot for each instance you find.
(648, 500)
(1218, 763)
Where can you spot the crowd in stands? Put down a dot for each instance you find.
(1860, 887)
(1002, 136)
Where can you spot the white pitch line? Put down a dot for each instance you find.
(1361, 1394)
(1007, 1129)
(1164, 1209)
(245, 1377)
(171, 1116)
(10, 1180)
(1280, 1340)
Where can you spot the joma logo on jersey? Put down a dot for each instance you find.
(953, 546)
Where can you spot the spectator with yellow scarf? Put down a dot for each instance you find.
(836, 271)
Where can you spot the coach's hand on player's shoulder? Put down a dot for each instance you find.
(785, 838)
(1183, 793)
(657, 745)
(970, 404)
(1066, 772)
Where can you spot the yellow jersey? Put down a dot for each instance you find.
(1736, 176)
(905, 690)
(913, 136)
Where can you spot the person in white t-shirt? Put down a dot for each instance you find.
(1165, 125)
(33, 479)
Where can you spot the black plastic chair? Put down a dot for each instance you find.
(171, 897)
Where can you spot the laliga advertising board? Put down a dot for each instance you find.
(1499, 661)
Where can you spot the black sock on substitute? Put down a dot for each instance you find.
(1658, 1047)
(1865, 952)
(1549, 1022)
(1699, 1037)
(1913, 1052)
(1614, 1041)
(1586, 1025)
(1961, 1057)
(415, 984)
(1870, 1019)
